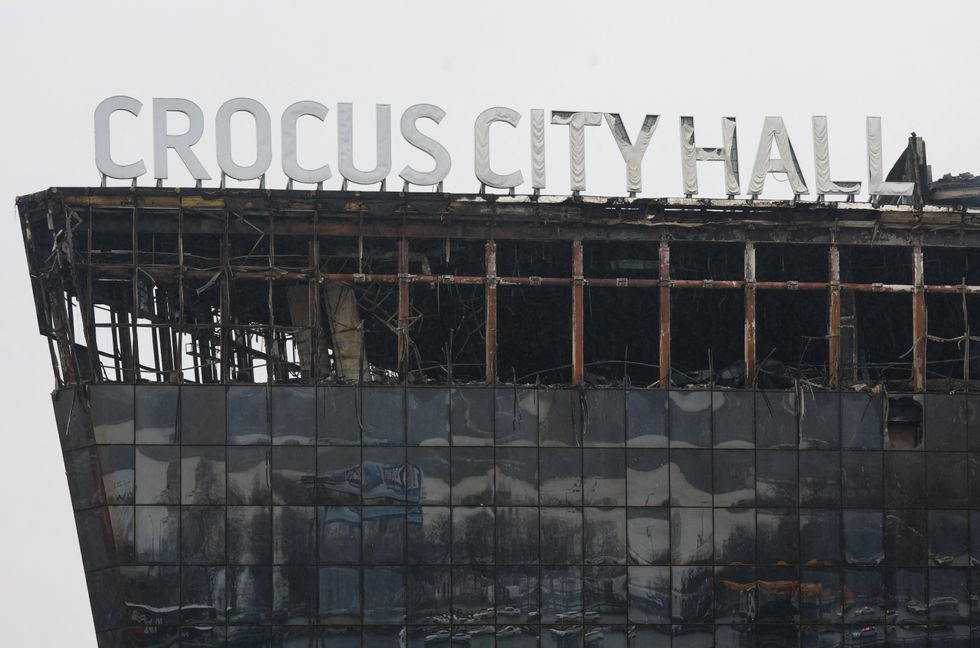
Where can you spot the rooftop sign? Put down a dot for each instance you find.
(774, 154)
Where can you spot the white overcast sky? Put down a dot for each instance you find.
(912, 63)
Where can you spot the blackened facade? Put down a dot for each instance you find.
(330, 420)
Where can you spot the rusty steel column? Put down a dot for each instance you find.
(403, 306)
(491, 324)
(918, 322)
(578, 314)
(664, 315)
(750, 351)
(833, 320)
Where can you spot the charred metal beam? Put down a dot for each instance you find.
(833, 319)
(749, 328)
(578, 314)
(664, 315)
(490, 260)
(918, 322)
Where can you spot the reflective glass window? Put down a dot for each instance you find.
(605, 417)
(561, 535)
(429, 530)
(516, 475)
(428, 416)
(647, 477)
(338, 475)
(605, 536)
(202, 534)
(906, 537)
(157, 474)
(387, 478)
(734, 477)
(561, 476)
(157, 533)
(429, 590)
(340, 534)
(906, 587)
(820, 537)
(605, 595)
(473, 535)
(82, 468)
(559, 418)
(691, 536)
(112, 413)
(293, 415)
(690, 477)
(905, 479)
(820, 421)
(516, 416)
(472, 591)
(866, 605)
(777, 534)
(156, 413)
(293, 475)
(948, 533)
(517, 596)
(947, 477)
(734, 599)
(861, 421)
(776, 419)
(604, 476)
(248, 415)
(202, 594)
(383, 534)
(517, 535)
(472, 417)
(249, 535)
(340, 595)
(561, 594)
(691, 594)
(294, 592)
(733, 419)
(861, 477)
(648, 535)
(249, 595)
(819, 478)
(382, 415)
(734, 536)
(776, 478)
(945, 422)
(293, 534)
(949, 600)
(338, 420)
(820, 595)
(432, 467)
(202, 414)
(472, 476)
(202, 475)
(690, 419)
(116, 464)
(646, 418)
(863, 537)
(249, 476)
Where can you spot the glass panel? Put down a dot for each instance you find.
(605, 417)
(202, 475)
(646, 419)
(384, 595)
(202, 414)
(122, 523)
(249, 535)
(905, 537)
(383, 534)
(517, 535)
(649, 594)
(561, 476)
(248, 415)
(691, 594)
(820, 533)
(472, 418)
(647, 477)
(340, 534)
(604, 471)
(473, 589)
(690, 477)
(949, 601)
(429, 529)
(561, 594)
(157, 532)
(735, 589)
(777, 533)
(516, 416)
(948, 532)
(72, 415)
(82, 468)
(383, 415)
(293, 475)
(93, 538)
(907, 589)
(340, 595)
(202, 594)
(157, 474)
(946, 422)
(863, 537)
(691, 536)
(560, 417)
(112, 413)
(517, 595)
(249, 476)
(561, 535)
(734, 478)
(820, 421)
(605, 536)
(517, 475)
(338, 479)
(428, 594)
(472, 476)
(733, 419)
(778, 595)
(156, 413)
(116, 464)
(605, 596)
(433, 465)
(338, 422)
(293, 415)
(249, 595)
(775, 416)
(819, 478)
(905, 479)
(473, 535)
(861, 476)
(866, 605)
(734, 536)
(947, 479)
(202, 534)
(776, 481)
(861, 421)
(648, 535)
(428, 416)
(293, 534)
(690, 419)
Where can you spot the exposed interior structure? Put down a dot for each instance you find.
(247, 286)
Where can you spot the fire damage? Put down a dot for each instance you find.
(256, 286)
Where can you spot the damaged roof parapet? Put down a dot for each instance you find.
(257, 286)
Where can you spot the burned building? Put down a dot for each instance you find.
(341, 419)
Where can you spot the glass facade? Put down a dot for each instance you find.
(416, 516)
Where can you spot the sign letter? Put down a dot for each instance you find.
(632, 153)
(412, 135)
(774, 130)
(576, 122)
(182, 143)
(691, 155)
(290, 163)
(103, 155)
(481, 147)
